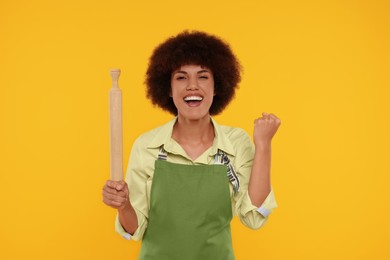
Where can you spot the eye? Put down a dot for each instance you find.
(180, 77)
(204, 77)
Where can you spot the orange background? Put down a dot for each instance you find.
(321, 66)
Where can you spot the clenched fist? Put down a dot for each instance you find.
(265, 128)
(116, 194)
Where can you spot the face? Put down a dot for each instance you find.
(192, 90)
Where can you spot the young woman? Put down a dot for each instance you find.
(188, 178)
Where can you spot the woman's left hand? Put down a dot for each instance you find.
(265, 128)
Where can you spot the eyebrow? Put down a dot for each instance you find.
(199, 72)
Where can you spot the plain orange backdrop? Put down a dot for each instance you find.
(321, 66)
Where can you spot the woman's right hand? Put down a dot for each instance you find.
(116, 194)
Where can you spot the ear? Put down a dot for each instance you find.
(170, 92)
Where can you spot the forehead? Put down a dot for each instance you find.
(192, 68)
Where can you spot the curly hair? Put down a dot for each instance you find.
(193, 48)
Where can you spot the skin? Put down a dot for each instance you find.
(259, 185)
(195, 133)
(193, 129)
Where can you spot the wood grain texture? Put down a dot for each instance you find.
(116, 144)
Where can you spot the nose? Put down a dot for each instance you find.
(192, 84)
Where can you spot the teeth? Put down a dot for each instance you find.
(192, 98)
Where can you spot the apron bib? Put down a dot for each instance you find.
(190, 214)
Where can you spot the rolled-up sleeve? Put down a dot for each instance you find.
(250, 215)
(136, 179)
(138, 234)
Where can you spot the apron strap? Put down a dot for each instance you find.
(162, 154)
(219, 158)
(222, 158)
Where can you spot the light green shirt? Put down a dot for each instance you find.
(235, 142)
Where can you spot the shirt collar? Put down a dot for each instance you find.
(164, 133)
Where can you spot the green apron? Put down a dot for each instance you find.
(190, 214)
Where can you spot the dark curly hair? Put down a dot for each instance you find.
(197, 48)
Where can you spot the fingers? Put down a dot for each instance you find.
(112, 191)
(117, 185)
(265, 128)
(114, 198)
(112, 203)
(275, 118)
(115, 193)
(121, 185)
(269, 117)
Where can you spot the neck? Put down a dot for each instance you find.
(186, 131)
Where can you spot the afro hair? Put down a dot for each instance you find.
(193, 48)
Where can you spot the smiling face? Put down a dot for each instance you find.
(192, 90)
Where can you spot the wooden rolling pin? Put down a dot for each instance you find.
(116, 151)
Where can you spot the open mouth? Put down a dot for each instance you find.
(193, 100)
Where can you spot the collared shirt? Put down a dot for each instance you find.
(234, 142)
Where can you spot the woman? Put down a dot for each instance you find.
(187, 178)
